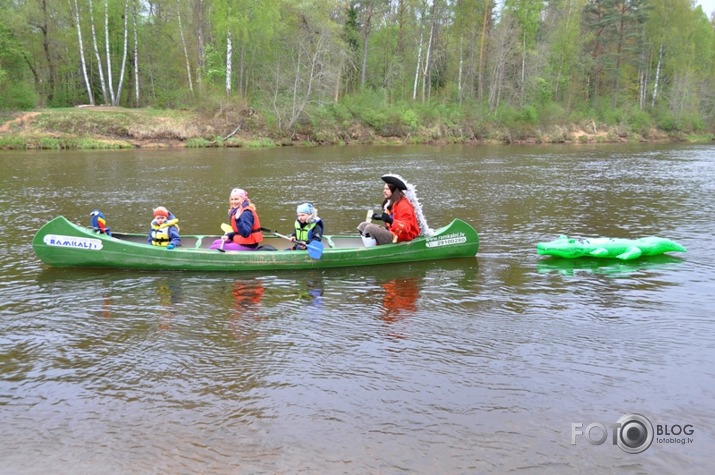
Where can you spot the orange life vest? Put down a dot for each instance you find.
(256, 235)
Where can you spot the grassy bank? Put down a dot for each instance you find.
(115, 127)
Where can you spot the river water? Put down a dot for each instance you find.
(491, 364)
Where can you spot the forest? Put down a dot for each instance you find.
(396, 66)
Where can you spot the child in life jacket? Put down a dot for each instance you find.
(246, 234)
(164, 231)
(308, 227)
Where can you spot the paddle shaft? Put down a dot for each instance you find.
(315, 249)
(283, 236)
(226, 228)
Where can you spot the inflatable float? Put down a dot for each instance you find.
(623, 249)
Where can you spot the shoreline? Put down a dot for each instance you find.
(103, 127)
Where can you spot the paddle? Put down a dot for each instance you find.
(226, 228)
(315, 249)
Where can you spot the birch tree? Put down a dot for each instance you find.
(81, 53)
(100, 67)
(486, 24)
(110, 79)
(185, 49)
(124, 54)
(426, 67)
(229, 61)
(135, 13)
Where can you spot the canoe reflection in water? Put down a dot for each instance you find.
(247, 307)
(168, 295)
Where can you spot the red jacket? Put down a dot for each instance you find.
(404, 221)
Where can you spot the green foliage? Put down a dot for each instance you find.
(542, 90)
(691, 122)
(16, 93)
(640, 121)
(409, 118)
(582, 61)
(259, 143)
(551, 113)
(665, 120)
(215, 66)
(369, 108)
(13, 143)
(17, 96)
(340, 113)
(610, 117)
(198, 142)
(529, 115)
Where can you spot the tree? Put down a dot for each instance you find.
(184, 48)
(13, 88)
(527, 14)
(81, 54)
(308, 70)
(563, 43)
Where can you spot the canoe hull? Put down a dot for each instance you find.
(61, 243)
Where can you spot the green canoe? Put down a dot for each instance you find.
(64, 244)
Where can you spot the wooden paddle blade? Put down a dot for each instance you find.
(226, 228)
(368, 218)
(315, 250)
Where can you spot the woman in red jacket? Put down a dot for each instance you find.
(398, 215)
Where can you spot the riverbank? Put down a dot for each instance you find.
(101, 127)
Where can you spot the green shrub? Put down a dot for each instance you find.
(611, 117)
(410, 119)
(552, 113)
(665, 121)
(640, 121)
(529, 115)
(17, 96)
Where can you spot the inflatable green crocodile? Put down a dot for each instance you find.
(624, 249)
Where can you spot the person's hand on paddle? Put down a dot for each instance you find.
(299, 244)
(386, 218)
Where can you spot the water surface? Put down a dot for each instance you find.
(476, 365)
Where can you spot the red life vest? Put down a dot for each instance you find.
(256, 235)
